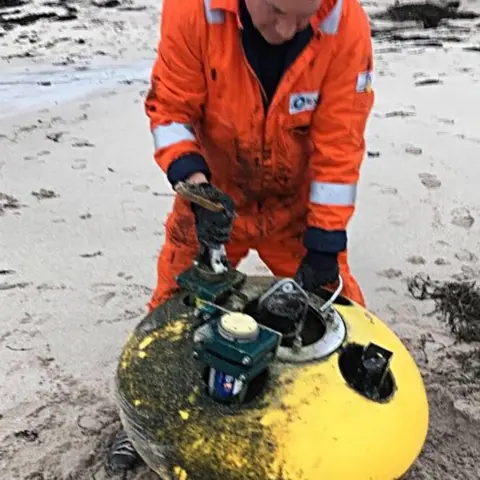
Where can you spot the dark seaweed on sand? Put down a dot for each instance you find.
(457, 303)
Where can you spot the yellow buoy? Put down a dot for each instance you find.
(273, 384)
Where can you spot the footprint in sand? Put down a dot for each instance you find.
(390, 273)
(467, 273)
(21, 340)
(55, 137)
(436, 218)
(386, 289)
(413, 150)
(79, 119)
(98, 253)
(82, 143)
(124, 276)
(8, 202)
(29, 319)
(79, 164)
(398, 219)
(416, 260)
(104, 298)
(130, 300)
(385, 189)
(461, 217)
(93, 178)
(44, 193)
(130, 206)
(466, 256)
(429, 181)
(141, 188)
(447, 121)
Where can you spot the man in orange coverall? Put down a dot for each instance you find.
(266, 102)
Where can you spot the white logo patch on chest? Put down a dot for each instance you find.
(302, 102)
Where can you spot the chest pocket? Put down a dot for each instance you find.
(297, 124)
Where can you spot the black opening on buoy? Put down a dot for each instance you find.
(366, 370)
(284, 322)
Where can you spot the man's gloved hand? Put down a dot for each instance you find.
(213, 228)
(316, 270)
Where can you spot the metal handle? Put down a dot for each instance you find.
(334, 296)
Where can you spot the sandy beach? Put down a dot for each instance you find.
(82, 207)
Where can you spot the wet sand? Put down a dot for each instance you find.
(82, 207)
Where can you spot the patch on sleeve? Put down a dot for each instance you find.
(364, 81)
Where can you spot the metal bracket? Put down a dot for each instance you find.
(289, 285)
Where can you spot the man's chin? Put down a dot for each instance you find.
(273, 39)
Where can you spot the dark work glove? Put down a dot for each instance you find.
(213, 228)
(316, 270)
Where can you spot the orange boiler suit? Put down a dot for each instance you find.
(292, 167)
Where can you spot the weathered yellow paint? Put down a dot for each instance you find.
(174, 331)
(146, 342)
(319, 413)
(184, 414)
(180, 473)
(322, 429)
(192, 398)
(128, 351)
(309, 426)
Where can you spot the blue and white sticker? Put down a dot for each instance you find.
(303, 102)
(364, 81)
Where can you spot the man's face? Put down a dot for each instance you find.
(279, 20)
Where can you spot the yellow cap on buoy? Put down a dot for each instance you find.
(239, 325)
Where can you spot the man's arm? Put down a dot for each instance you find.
(177, 92)
(338, 135)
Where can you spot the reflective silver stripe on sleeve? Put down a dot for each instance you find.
(333, 193)
(215, 15)
(166, 135)
(331, 22)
